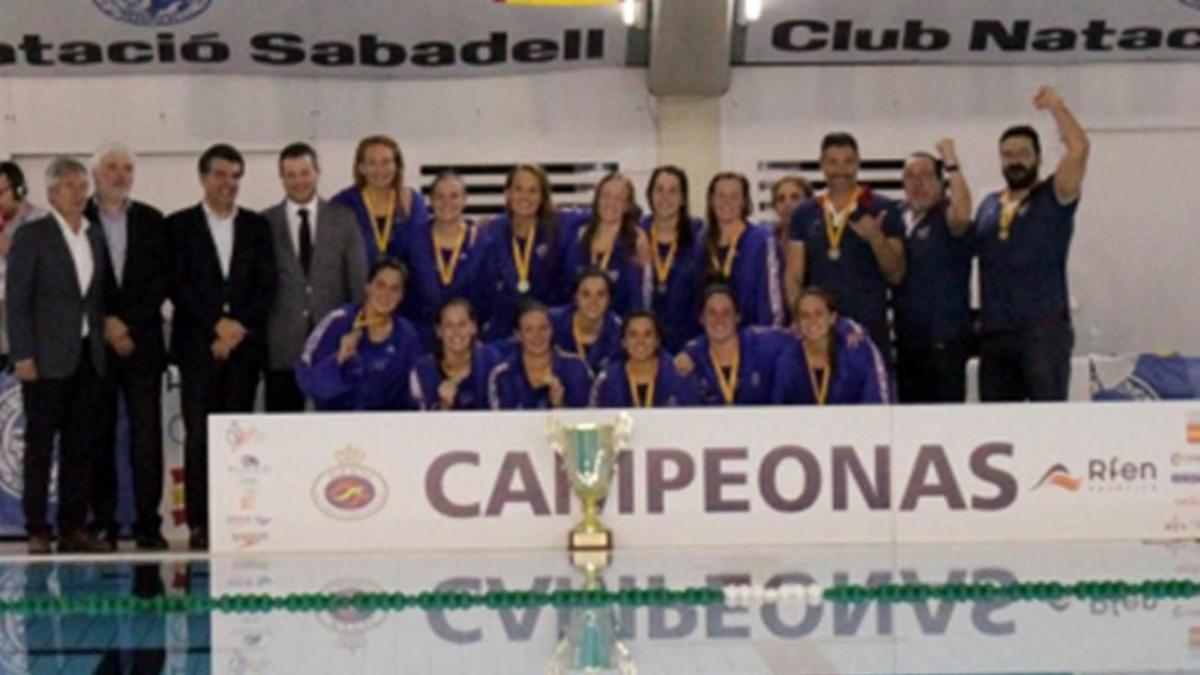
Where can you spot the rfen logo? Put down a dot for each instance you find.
(1058, 476)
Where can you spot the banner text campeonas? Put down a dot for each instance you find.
(768, 476)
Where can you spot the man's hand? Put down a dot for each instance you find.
(1047, 98)
(25, 370)
(231, 332)
(946, 151)
(869, 228)
(221, 350)
(123, 346)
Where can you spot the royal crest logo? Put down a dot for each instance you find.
(153, 12)
(350, 490)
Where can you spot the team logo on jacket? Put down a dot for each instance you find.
(350, 490)
(153, 12)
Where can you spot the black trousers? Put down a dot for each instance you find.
(141, 388)
(932, 372)
(1033, 364)
(281, 392)
(215, 387)
(65, 408)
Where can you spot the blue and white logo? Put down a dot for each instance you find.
(12, 438)
(12, 447)
(153, 12)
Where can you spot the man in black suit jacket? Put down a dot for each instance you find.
(135, 288)
(55, 291)
(222, 288)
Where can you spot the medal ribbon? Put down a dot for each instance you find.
(633, 389)
(602, 258)
(382, 237)
(835, 220)
(446, 269)
(662, 266)
(523, 260)
(578, 335)
(728, 385)
(821, 389)
(726, 266)
(1008, 212)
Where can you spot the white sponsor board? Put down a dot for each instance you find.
(364, 38)
(973, 31)
(727, 477)
(1068, 635)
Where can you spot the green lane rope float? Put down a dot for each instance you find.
(730, 595)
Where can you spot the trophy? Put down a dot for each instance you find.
(589, 452)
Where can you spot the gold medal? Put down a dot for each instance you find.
(835, 221)
(523, 260)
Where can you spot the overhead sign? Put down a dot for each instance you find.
(973, 31)
(364, 38)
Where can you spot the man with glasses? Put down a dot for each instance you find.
(932, 302)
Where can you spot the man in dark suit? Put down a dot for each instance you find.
(222, 289)
(55, 291)
(135, 288)
(321, 265)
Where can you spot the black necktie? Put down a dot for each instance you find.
(306, 246)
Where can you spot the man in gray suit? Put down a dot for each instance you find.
(321, 264)
(55, 311)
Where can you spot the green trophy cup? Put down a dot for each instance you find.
(589, 452)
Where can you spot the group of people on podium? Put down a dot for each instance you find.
(387, 298)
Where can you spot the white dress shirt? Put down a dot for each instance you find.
(293, 222)
(81, 255)
(221, 230)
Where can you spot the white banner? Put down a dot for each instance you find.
(1068, 635)
(973, 31)
(363, 38)
(728, 477)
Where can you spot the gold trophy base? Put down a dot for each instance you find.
(599, 540)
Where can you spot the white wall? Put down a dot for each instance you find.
(600, 114)
(1133, 266)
